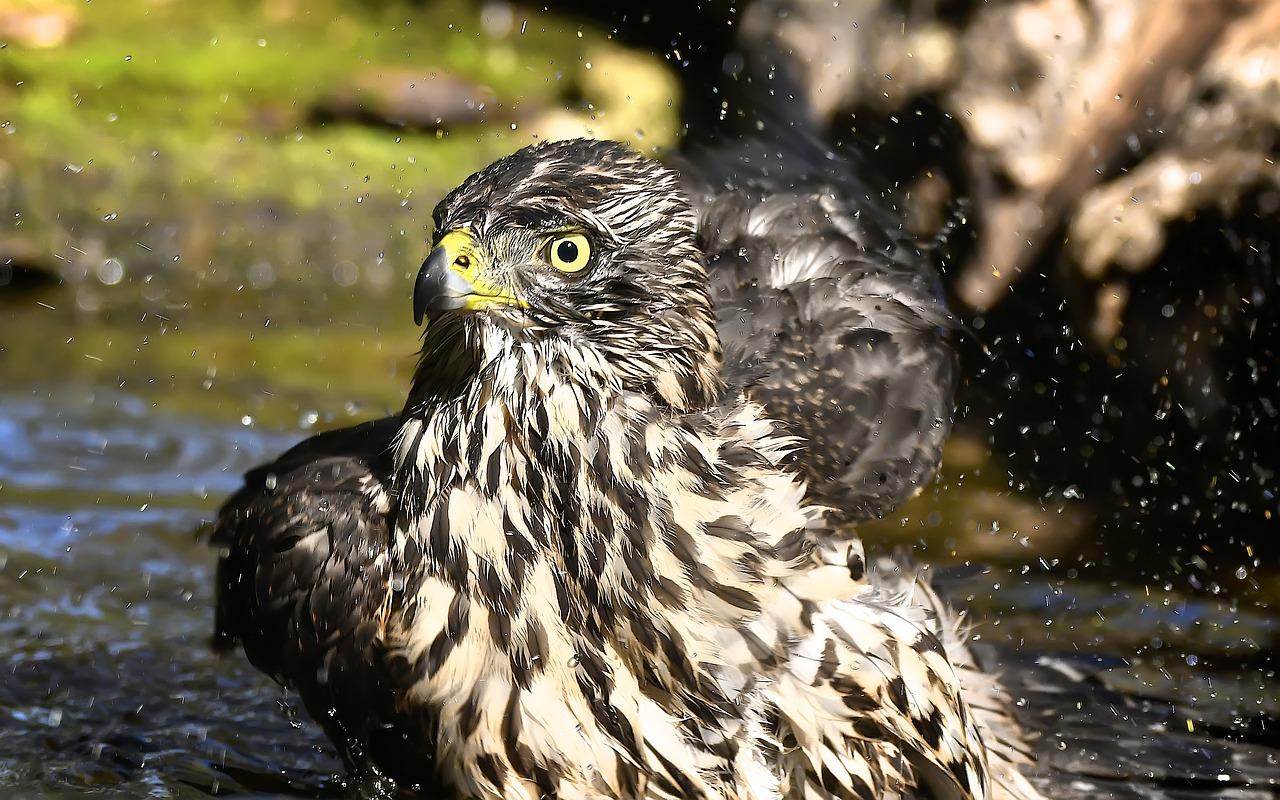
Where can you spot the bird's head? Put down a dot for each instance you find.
(581, 246)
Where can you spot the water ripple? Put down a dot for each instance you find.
(115, 443)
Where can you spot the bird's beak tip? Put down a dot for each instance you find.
(437, 286)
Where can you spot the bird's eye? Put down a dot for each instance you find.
(570, 253)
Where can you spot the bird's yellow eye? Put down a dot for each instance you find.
(570, 253)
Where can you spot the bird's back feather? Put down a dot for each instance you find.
(835, 325)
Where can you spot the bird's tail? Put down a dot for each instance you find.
(882, 689)
(1008, 754)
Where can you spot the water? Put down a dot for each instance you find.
(105, 598)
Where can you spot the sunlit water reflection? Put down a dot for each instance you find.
(105, 598)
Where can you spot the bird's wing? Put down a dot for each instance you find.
(302, 579)
(832, 319)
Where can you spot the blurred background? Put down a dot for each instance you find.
(210, 215)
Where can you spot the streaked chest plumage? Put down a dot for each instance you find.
(571, 556)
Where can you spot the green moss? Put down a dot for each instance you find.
(222, 89)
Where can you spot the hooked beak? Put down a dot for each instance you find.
(438, 288)
(451, 279)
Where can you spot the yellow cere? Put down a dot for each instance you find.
(466, 259)
(463, 258)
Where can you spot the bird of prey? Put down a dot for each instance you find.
(603, 550)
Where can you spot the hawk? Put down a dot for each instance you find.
(604, 551)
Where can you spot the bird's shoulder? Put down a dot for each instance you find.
(303, 549)
(338, 477)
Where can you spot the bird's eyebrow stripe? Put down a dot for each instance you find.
(599, 227)
(542, 223)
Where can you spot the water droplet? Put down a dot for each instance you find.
(346, 274)
(110, 271)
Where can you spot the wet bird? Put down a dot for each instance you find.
(585, 561)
